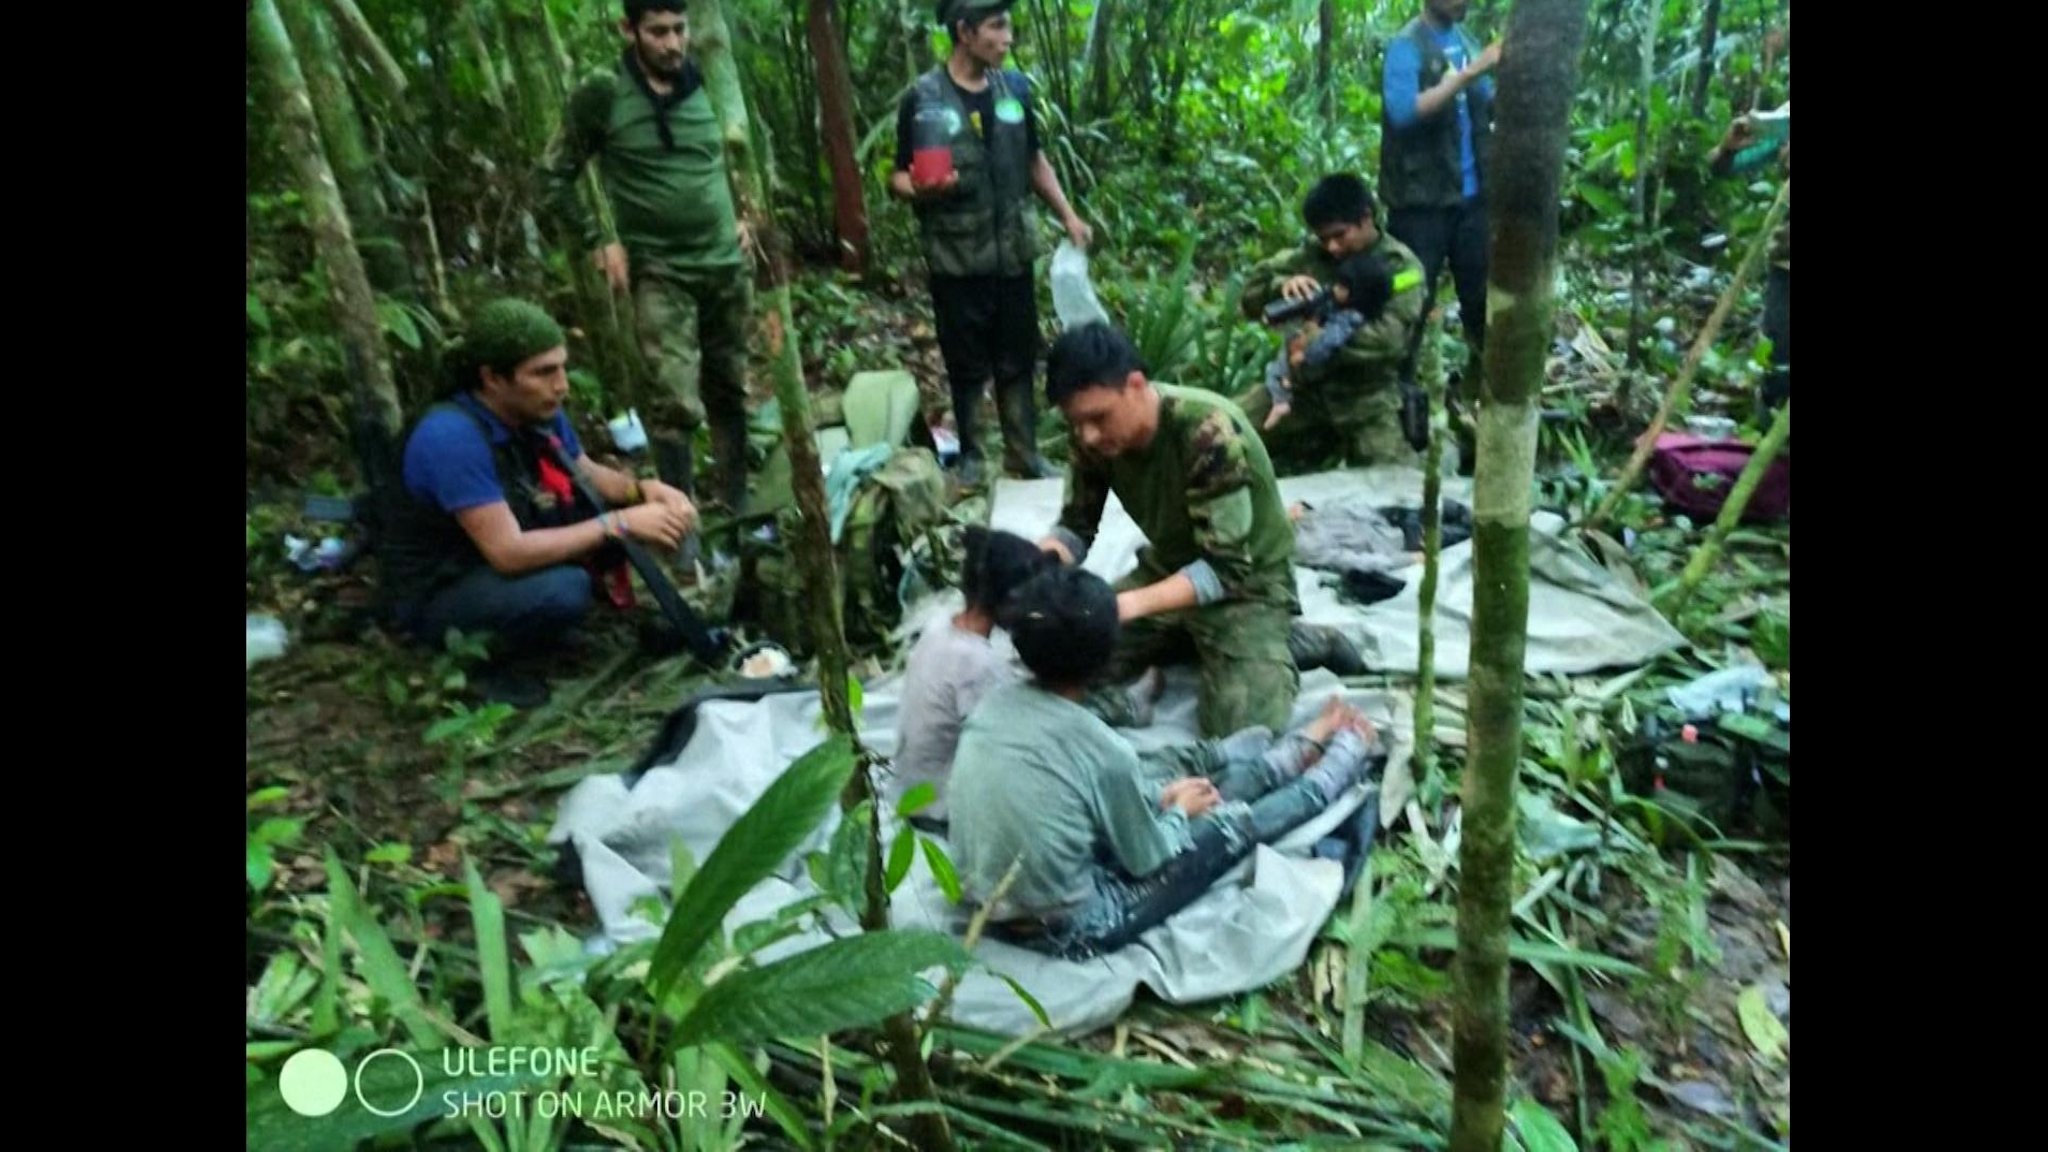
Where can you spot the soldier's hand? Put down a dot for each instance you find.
(1193, 795)
(1300, 287)
(1279, 411)
(655, 492)
(611, 260)
(1486, 61)
(662, 524)
(1079, 232)
(1057, 549)
(939, 191)
(1741, 134)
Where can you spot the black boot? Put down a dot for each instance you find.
(729, 452)
(675, 458)
(1321, 646)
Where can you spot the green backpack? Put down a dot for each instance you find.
(893, 546)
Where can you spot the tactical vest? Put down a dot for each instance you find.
(424, 549)
(1420, 165)
(988, 226)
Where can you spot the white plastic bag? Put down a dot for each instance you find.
(1073, 297)
(266, 639)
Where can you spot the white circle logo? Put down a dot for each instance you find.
(419, 1082)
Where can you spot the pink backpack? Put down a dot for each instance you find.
(1695, 475)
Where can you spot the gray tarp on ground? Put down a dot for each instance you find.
(1582, 616)
(1252, 928)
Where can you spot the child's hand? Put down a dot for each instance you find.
(1193, 795)
(1279, 411)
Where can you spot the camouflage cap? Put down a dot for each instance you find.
(952, 10)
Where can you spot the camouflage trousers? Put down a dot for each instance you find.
(1247, 674)
(693, 334)
(1358, 428)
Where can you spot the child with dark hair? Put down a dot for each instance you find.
(1356, 298)
(1107, 843)
(956, 662)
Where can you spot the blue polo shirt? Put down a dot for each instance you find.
(448, 462)
(1402, 84)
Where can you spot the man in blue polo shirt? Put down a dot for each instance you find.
(490, 536)
(1436, 122)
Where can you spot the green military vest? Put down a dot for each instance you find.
(1419, 165)
(988, 226)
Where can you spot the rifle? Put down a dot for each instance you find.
(708, 645)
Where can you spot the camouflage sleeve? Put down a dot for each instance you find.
(1382, 344)
(1262, 283)
(1219, 494)
(1081, 511)
(579, 138)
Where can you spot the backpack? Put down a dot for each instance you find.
(897, 540)
(1695, 475)
(1735, 770)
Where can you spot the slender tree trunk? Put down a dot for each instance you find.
(1430, 373)
(355, 305)
(1100, 29)
(1709, 551)
(368, 45)
(813, 546)
(1326, 84)
(1703, 76)
(1682, 385)
(348, 152)
(1646, 79)
(835, 105)
(1538, 74)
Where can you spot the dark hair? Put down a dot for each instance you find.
(636, 10)
(951, 20)
(1063, 623)
(1365, 279)
(1338, 199)
(996, 564)
(1093, 355)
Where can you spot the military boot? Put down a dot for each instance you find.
(1321, 646)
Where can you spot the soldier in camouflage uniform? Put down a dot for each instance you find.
(651, 126)
(1350, 406)
(1216, 578)
(1738, 153)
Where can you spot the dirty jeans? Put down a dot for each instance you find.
(523, 614)
(1261, 804)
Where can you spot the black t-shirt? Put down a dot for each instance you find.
(982, 103)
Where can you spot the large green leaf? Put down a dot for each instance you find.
(756, 844)
(488, 914)
(844, 984)
(1538, 1129)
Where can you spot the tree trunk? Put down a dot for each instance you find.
(1326, 16)
(1100, 29)
(1538, 74)
(1646, 80)
(1430, 373)
(1703, 77)
(835, 106)
(472, 20)
(1709, 551)
(355, 305)
(365, 41)
(813, 546)
(1682, 385)
(348, 153)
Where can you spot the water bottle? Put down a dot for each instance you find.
(931, 146)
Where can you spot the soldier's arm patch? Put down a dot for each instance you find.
(1217, 465)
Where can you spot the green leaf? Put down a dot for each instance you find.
(853, 695)
(397, 320)
(901, 853)
(1029, 1000)
(267, 796)
(1539, 1130)
(383, 971)
(942, 869)
(261, 869)
(1761, 1025)
(923, 796)
(847, 983)
(392, 853)
(487, 912)
(278, 831)
(758, 842)
(258, 314)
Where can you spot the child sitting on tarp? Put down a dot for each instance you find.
(955, 663)
(1108, 843)
(1361, 292)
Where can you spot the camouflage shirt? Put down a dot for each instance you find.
(1372, 356)
(1204, 495)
